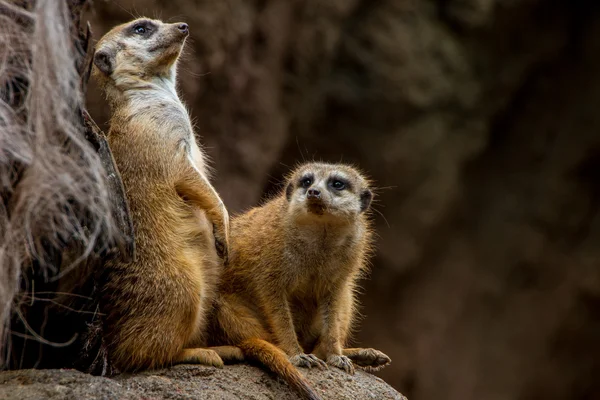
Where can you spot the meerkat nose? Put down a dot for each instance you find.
(184, 28)
(313, 194)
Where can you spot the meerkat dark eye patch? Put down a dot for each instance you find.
(306, 181)
(144, 29)
(365, 200)
(338, 183)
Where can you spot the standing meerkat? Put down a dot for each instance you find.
(289, 288)
(155, 307)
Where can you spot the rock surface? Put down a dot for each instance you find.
(187, 382)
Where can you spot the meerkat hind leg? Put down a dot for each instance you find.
(367, 358)
(199, 356)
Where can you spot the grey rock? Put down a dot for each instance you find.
(187, 382)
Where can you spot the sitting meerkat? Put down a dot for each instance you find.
(155, 307)
(289, 289)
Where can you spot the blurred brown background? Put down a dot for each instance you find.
(480, 120)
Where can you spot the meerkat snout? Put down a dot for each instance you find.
(328, 192)
(313, 194)
(183, 27)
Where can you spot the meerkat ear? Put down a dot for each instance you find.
(104, 60)
(289, 190)
(365, 200)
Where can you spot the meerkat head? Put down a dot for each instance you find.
(138, 51)
(327, 192)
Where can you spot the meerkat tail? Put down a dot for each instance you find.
(277, 362)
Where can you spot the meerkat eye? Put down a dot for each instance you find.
(140, 30)
(306, 182)
(338, 185)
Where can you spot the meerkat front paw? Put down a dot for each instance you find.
(371, 359)
(307, 361)
(341, 362)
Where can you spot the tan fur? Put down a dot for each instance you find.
(155, 307)
(293, 272)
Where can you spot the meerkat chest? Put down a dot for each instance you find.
(166, 114)
(315, 254)
(309, 265)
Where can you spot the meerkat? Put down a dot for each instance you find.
(155, 307)
(287, 297)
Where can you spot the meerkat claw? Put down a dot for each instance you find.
(307, 361)
(383, 360)
(220, 233)
(220, 245)
(341, 362)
